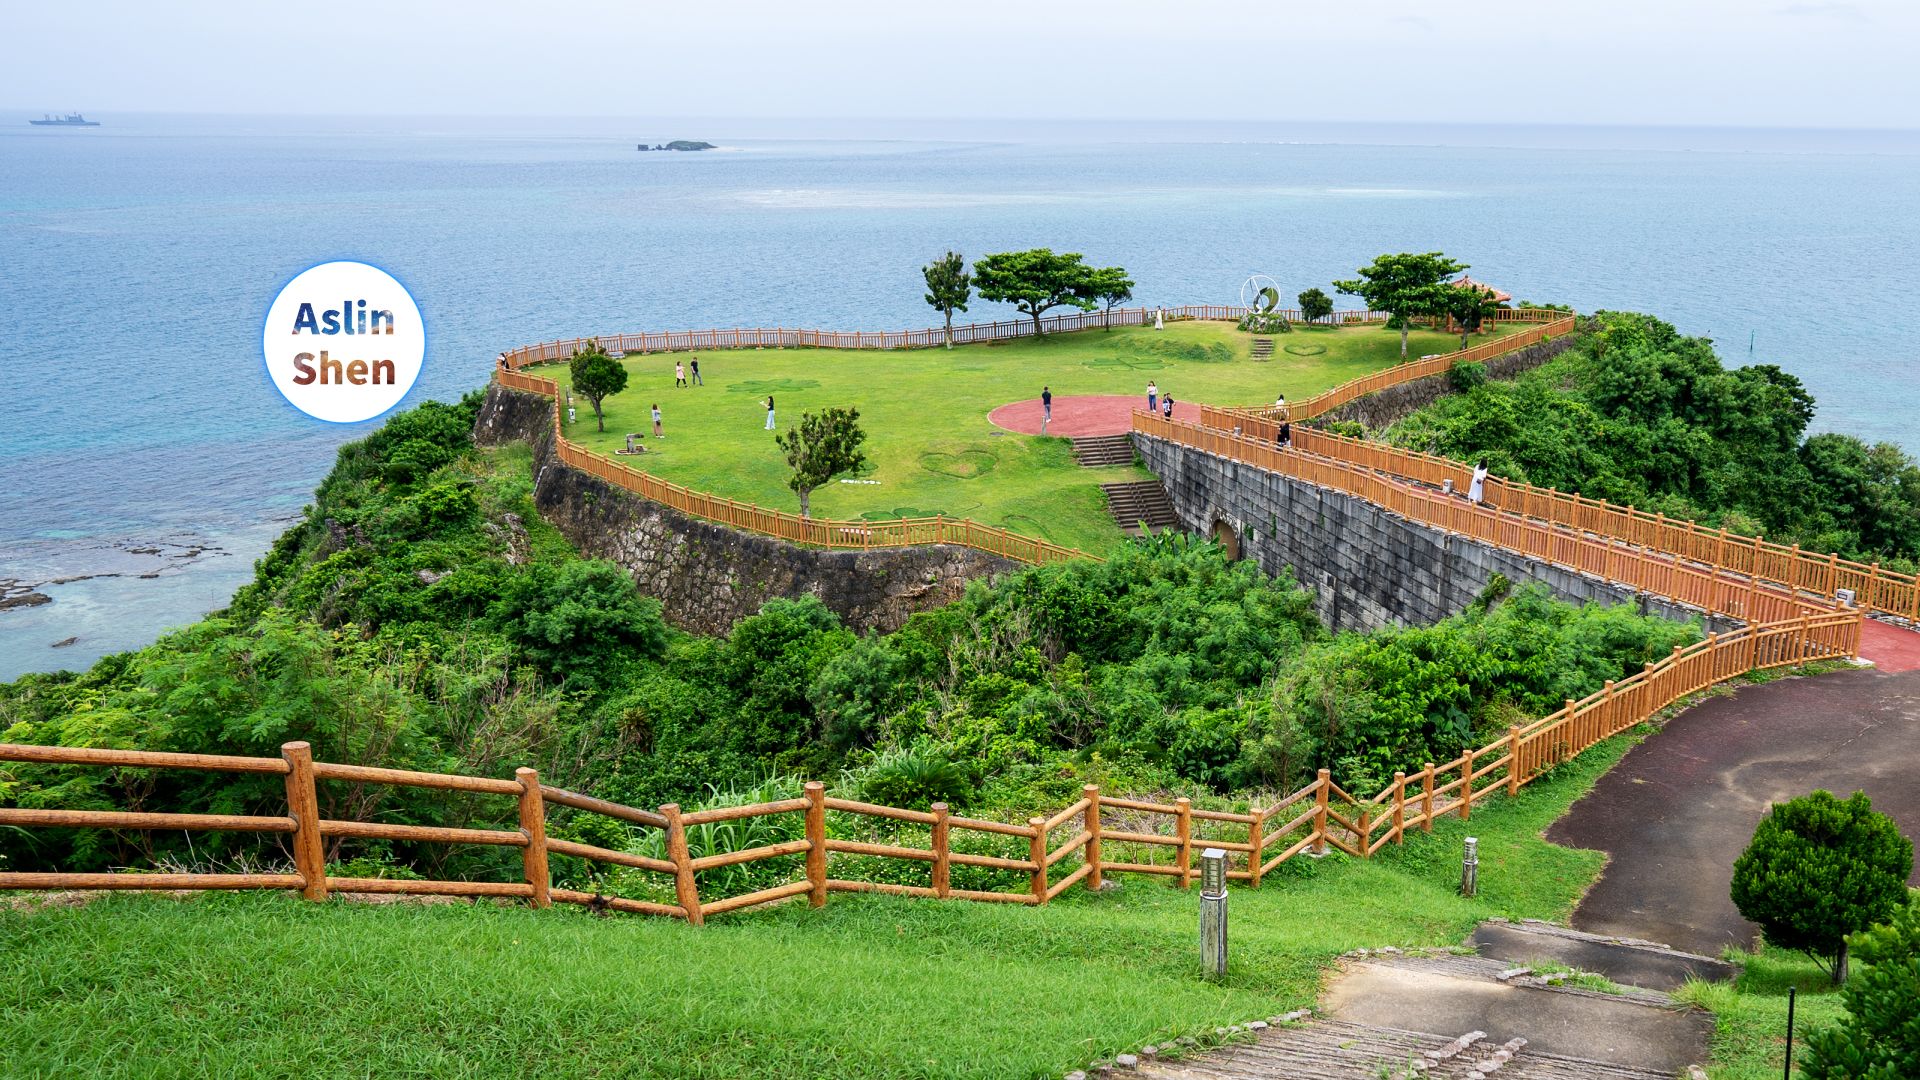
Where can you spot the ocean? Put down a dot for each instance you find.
(146, 460)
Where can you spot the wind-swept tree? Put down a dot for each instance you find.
(1315, 305)
(949, 287)
(1110, 287)
(1034, 281)
(824, 446)
(1470, 306)
(1403, 286)
(596, 376)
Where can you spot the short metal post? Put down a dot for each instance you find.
(1470, 868)
(1213, 913)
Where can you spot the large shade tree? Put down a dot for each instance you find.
(1469, 306)
(949, 287)
(1404, 286)
(1035, 281)
(1110, 287)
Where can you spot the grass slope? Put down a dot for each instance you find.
(925, 412)
(868, 987)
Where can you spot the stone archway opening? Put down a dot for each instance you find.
(1228, 538)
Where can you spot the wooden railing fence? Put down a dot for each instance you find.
(812, 532)
(1875, 588)
(933, 337)
(1712, 589)
(1318, 816)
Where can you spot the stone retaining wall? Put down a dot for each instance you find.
(1368, 568)
(706, 576)
(1383, 407)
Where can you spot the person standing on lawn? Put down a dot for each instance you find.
(657, 433)
(697, 380)
(679, 374)
(769, 412)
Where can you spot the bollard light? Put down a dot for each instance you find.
(1470, 868)
(1213, 913)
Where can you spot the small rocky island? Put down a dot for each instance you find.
(680, 144)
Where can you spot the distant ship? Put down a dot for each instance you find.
(69, 120)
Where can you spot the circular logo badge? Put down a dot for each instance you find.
(344, 342)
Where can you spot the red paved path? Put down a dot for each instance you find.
(1893, 649)
(1090, 414)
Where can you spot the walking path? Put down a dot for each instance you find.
(1676, 812)
(1087, 414)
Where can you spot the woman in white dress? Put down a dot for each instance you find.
(1477, 491)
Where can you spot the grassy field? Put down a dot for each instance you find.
(930, 448)
(1750, 1015)
(221, 986)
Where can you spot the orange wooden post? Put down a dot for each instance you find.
(1092, 792)
(816, 793)
(1322, 786)
(1466, 787)
(533, 826)
(1183, 832)
(1513, 759)
(942, 855)
(1399, 807)
(1037, 851)
(303, 806)
(1426, 798)
(685, 888)
(1366, 834)
(1254, 842)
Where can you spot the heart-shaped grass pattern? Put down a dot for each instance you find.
(959, 464)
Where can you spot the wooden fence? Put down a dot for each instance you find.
(1875, 588)
(1319, 816)
(1709, 588)
(812, 532)
(965, 334)
(1552, 324)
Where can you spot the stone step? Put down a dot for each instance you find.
(1140, 502)
(1262, 349)
(1626, 961)
(1095, 451)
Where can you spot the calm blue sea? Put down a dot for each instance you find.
(142, 439)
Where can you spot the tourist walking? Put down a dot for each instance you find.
(679, 373)
(1166, 406)
(1477, 491)
(697, 380)
(1286, 435)
(1153, 396)
(1046, 405)
(657, 433)
(769, 412)
(1280, 406)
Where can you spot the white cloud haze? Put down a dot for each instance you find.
(1710, 62)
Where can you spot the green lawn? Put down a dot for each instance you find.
(223, 986)
(1750, 1015)
(929, 445)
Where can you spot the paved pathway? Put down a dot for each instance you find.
(1681, 807)
(1088, 414)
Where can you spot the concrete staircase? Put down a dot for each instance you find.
(1098, 451)
(1262, 349)
(1141, 502)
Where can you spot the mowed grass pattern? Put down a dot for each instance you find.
(929, 446)
(228, 986)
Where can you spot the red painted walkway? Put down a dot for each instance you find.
(1090, 414)
(1893, 649)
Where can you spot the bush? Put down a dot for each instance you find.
(1819, 869)
(1464, 375)
(1880, 1038)
(914, 779)
(1315, 305)
(1267, 322)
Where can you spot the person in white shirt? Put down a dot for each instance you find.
(1477, 491)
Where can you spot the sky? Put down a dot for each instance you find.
(1761, 63)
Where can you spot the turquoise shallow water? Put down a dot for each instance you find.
(137, 260)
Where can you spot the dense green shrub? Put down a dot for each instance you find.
(1880, 1037)
(1820, 868)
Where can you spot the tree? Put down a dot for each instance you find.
(1470, 306)
(1315, 305)
(1110, 287)
(949, 287)
(821, 448)
(1819, 869)
(1035, 280)
(596, 376)
(1879, 1039)
(1403, 286)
